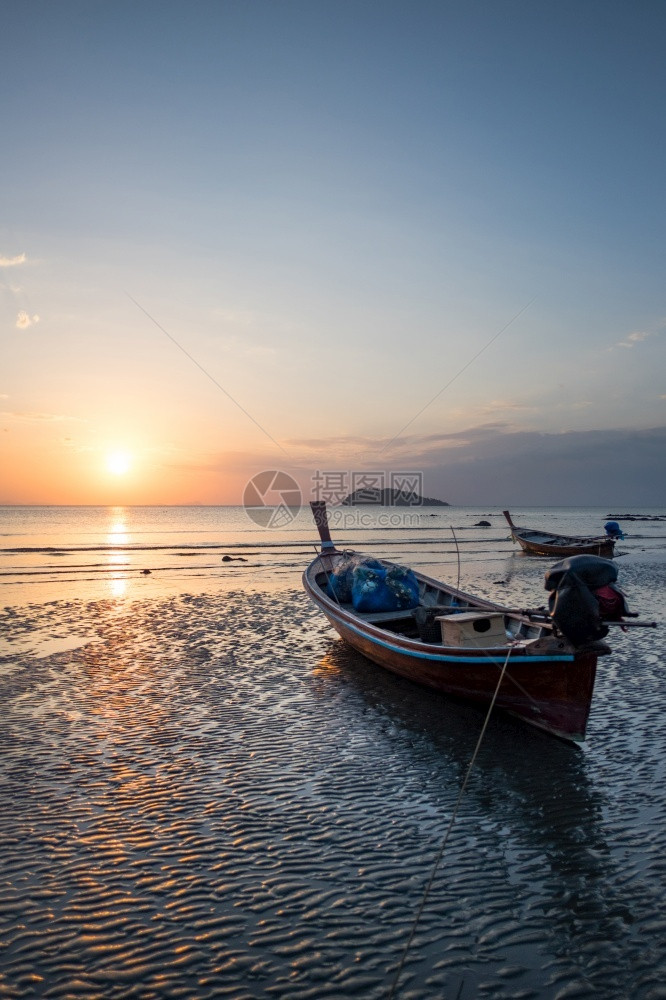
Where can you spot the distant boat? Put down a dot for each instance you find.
(544, 543)
(458, 644)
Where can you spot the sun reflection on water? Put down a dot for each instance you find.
(118, 535)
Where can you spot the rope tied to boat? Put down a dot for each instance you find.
(328, 575)
(457, 556)
(456, 807)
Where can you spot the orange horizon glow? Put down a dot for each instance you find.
(62, 473)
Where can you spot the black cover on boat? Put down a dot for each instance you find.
(573, 606)
(592, 570)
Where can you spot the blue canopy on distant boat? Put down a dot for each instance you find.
(613, 529)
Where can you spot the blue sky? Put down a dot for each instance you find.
(334, 209)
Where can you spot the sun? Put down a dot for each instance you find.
(118, 462)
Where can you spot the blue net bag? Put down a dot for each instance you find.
(339, 585)
(403, 583)
(370, 592)
(375, 588)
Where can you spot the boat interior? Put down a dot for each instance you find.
(484, 626)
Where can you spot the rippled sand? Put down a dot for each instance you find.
(212, 797)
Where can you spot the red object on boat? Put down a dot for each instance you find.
(611, 603)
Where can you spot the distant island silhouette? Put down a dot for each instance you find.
(388, 497)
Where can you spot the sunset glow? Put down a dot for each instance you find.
(418, 264)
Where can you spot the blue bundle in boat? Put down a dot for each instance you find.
(403, 583)
(375, 588)
(340, 579)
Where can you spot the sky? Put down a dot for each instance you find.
(333, 237)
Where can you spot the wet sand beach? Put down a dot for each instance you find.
(207, 794)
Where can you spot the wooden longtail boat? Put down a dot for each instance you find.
(548, 681)
(543, 543)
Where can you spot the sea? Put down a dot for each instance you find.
(205, 793)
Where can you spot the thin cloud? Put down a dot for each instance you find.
(634, 338)
(341, 441)
(503, 405)
(354, 449)
(478, 432)
(31, 417)
(23, 320)
(20, 258)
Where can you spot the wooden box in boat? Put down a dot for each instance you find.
(476, 629)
